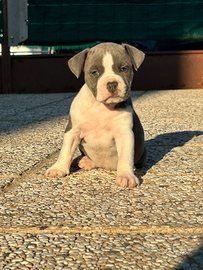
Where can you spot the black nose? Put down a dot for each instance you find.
(112, 86)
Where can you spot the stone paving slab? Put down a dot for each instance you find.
(173, 136)
(42, 113)
(25, 112)
(174, 133)
(174, 104)
(84, 200)
(100, 251)
(23, 148)
(84, 221)
(15, 105)
(175, 160)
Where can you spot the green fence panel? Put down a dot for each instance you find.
(68, 22)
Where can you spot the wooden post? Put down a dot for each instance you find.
(6, 59)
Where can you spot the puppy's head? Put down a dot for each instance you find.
(108, 69)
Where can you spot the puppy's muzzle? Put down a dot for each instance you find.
(112, 86)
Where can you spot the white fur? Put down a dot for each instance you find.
(103, 95)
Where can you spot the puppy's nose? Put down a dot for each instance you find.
(112, 86)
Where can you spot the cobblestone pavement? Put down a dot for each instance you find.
(84, 221)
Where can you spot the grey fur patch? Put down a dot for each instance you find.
(69, 125)
(93, 63)
(76, 63)
(137, 56)
(124, 104)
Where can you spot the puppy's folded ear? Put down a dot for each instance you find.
(76, 63)
(136, 55)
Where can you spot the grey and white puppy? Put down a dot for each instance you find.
(102, 121)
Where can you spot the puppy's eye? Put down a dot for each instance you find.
(123, 69)
(95, 73)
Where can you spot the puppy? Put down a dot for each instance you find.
(102, 121)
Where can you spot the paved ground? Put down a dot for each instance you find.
(84, 221)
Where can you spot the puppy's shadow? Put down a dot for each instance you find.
(166, 143)
(195, 258)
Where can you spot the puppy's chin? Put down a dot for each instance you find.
(113, 100)
(104, 96)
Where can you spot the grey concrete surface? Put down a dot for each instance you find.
(84, 221)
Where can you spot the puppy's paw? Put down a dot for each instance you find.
(127, 180)
(86, 164)
(54, 172)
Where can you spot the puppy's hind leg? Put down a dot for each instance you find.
(83, 162)
(86, 163)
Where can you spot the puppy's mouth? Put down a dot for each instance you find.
(113, 99)
(116, 97)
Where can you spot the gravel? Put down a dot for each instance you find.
(84, 221)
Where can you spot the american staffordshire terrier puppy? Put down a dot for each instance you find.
(102, 121)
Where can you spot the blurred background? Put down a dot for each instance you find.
(38, 37)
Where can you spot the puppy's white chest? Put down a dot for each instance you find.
(98, 143)
(96, 135)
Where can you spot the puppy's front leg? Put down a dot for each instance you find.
(62, 166)
(125, 149)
